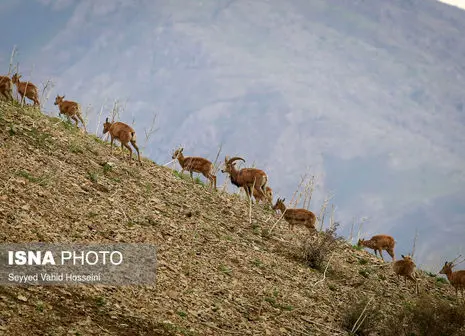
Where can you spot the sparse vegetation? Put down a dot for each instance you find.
(363, 261)
(187, 177)
(426, 316)
(42, 180)
(364, 273)
(92, 176)
(75, 148)
(107, 168)
(361, 317)
(316, 252)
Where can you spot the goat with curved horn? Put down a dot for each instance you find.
(235, 158)
(247, 178)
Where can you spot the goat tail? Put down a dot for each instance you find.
(263, 185)
(265, 182)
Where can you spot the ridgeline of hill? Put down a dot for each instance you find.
(217, 274)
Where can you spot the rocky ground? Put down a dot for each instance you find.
(217, 273)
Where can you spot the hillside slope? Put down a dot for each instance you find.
(217, 273)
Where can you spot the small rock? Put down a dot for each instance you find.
(22, 298)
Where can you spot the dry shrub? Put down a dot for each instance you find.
(317, 251)
(361, 318)
(427, 316)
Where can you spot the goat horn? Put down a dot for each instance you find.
(106, 120)
(459, 256)
(231, 160)
(461, 261)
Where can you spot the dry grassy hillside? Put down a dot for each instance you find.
(217, 273)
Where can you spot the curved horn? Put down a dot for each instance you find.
(453, 261)
(235, 158)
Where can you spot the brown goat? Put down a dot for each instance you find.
(70, 109)
(26, 89)
(456, 279)
(6, 87)
(195, 164)
(259, 196)
(406, 268)
(124, 133)
(296, 216)
(247, 178)
(379, 243)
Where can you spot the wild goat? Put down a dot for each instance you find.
(296, 216)
(379, 243)
(247, 178)
(195, 164)
(70, 109)
(6, 87)
(406, 268)
(268, 195)
(124, 133)
(26, 89)
(456, 279)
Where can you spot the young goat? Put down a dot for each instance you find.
(268, 195)
(26, 89)
(456, 279)
(378, 244)
(296, 216)
(70, 109)
(247, 178)
(6, 88)
(195, 164)
(406, 268)
(124, 133)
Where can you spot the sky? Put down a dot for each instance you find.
(367, 96)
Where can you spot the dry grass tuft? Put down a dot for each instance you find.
(317, 251)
